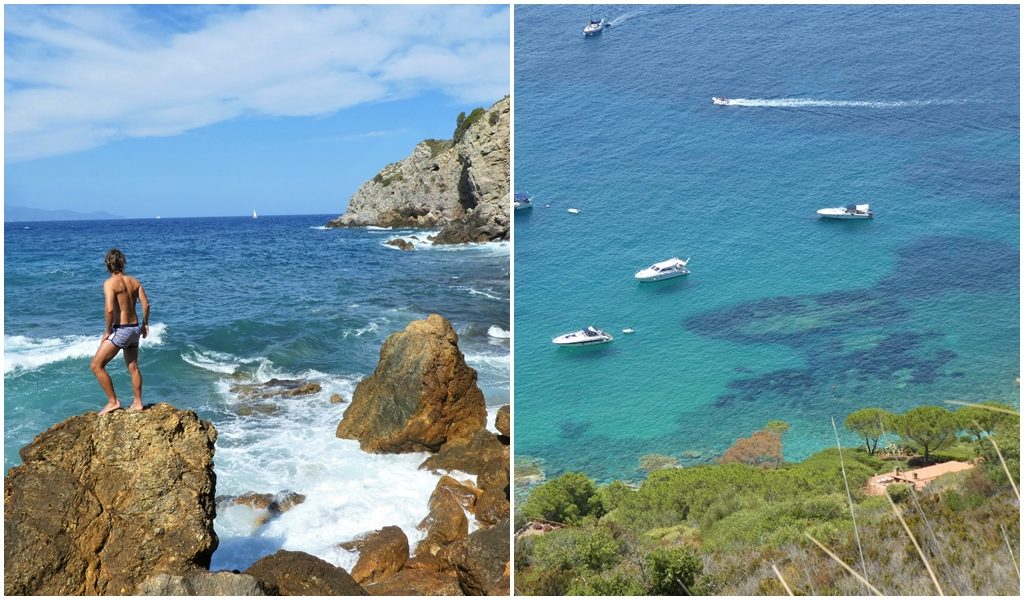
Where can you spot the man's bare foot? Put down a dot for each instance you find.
(110, 407)
(135, 407)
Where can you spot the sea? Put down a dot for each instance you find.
(784, 316)
(242, 301)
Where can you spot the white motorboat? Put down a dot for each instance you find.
(521, 200)
(665, 269)
(852, 211)
(583, 337)
(573, 211)
(594, 27)
(720, 100)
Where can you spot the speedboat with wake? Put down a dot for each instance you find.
(665, 269)
(521, 200)
(583, 337)
(720, 100)
(594, 27)
(852, 211)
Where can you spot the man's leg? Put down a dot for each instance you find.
(104, 354)
(131, 360)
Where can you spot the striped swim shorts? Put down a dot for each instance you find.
(126, 336)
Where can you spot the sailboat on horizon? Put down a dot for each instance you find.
(254, 213)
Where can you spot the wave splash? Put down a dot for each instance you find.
(810, 102)
(22, 353)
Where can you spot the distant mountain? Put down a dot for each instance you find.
(23, 213)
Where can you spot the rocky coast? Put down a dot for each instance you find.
(124, 504)
(460, 185)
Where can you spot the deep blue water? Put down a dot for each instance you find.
(914, 109)
(238, 300)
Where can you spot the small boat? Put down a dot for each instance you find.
(665, 269)
(521, 200)
(594, 27)
(720, 100)
(852, 211)
(254, 214)
(583, 337)
(574, 211)
(628, 330)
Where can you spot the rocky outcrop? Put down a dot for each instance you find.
(269, 505)
(275, 388)
(421, 395)
(461, 185)
(417, 583)
(381, 553)
(503, 421)
(482, 561)
(467, 455)
(204, 583)
(447, 522)
(102, 503)
(301, 574)
(401, 244)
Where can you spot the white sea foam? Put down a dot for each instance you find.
(217, 362)
(489, 293)
(23, 353)
(497, 332)
(422, 243)
(809, 102)
(348, 492)
(371, 327)
(376, 228)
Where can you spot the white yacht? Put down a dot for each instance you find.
(720, 100)
(852, 211)
(594, 27)
(583, 337)
(521, 200)
(665, 269)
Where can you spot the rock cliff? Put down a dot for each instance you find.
(421, 395)
(460, 185)
(103, 503)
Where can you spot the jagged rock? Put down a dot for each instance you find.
(336, 399)
(446, 522)
(204, 583)
(102, 503)
(467, 455)
(462, 185)
(301, 574)
(401, 244)
(381, 553)
(275, 388)
(417, 582)
(272, 505)
(493, 506)
(503, 422)
(482, 561)
(421, 395)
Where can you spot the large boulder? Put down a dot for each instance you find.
(482, 561)
(381, 553)
(204, 583)
(469, 455)
(101, 503)
(417, 582)
(301, 574)
(446, 522)
(421, 395)
(503, 422)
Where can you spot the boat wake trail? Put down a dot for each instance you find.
(808, 102)
(621, 19)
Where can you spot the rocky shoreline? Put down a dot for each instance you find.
(124, 504)
(459, 185)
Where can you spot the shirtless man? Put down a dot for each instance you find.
(122, 330)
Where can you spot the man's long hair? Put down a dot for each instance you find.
(115, 261)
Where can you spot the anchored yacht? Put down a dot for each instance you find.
(665, 269)
(852, 211)
(583, 337)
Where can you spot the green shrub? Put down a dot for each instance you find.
(463, 123)
(673, 571)
(566, 499)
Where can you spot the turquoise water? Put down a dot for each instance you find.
(914, 109)
(238, 300)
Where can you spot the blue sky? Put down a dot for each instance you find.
(211, 110)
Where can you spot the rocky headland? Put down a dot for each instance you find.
(460, 185)
(124, 503)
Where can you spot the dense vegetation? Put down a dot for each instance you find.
(720, 529)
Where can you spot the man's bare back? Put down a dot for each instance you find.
(123, 329)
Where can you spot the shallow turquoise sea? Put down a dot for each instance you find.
(914, 109)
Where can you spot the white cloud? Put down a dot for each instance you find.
(78, 77)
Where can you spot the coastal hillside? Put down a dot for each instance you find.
(460, 185)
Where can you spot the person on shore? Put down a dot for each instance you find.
(122, 331)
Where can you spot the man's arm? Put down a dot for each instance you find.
(144, 300)
(109, 303)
